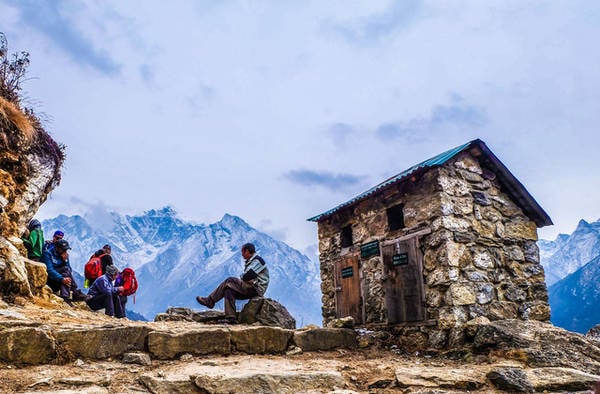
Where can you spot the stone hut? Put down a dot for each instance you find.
(448, 241)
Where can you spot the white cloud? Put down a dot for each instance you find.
(213, 102)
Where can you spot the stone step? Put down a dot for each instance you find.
(43, 344)
(245, 376)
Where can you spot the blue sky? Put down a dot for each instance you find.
(277, 111)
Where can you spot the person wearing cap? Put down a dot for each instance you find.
(33, 239)
(60, 274)
(103, 295)
(50, 243)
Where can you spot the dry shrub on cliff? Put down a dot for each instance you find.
(12, 71)
(18, 124)
(9, 112)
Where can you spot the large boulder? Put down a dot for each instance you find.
(267, 312)
(37, 275)
(594, 333)
(13, 273)
(538, 344)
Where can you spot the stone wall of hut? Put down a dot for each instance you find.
(480, 260)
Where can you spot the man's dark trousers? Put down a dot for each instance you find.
(232, 289)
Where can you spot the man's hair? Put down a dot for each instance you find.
(249, 247)
(111, 270)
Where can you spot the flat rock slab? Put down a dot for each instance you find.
(441, 377)
(187, 314)
(101, 342)
(260, 340)
(201, 340)
(325, 339)
(249, 375)
(559, 379)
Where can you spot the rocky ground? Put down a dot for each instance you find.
(516, 363)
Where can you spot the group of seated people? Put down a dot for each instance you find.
(102, 294)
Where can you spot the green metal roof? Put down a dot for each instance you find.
(512, 185)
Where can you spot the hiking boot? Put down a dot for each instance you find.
(205, 301)
(80, 296)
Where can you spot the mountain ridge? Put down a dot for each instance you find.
(175, 260)
(572, 264)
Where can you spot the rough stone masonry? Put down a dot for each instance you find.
(480, 259)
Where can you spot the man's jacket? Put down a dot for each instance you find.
(256, 271)
(53, 263)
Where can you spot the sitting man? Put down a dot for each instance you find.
(33, 239)
(50, 243)
(103, 294)
(254, 282)
(60, 276)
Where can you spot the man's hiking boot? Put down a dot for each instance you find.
(80, 296)
(205, 301)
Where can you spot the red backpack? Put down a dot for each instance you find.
(128, 281)
(93, 268)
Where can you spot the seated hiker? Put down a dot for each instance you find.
(50, 243)
(253, 282)
(128, 281)
(101, 252)
(33, 239)
(60, 276)
(103, 294)
(96, 265)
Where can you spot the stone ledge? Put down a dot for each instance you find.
(39, 345)
(101, 342)
(169, 344)
(325, 339)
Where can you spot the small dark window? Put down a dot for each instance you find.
(395, 217)
(346, 236)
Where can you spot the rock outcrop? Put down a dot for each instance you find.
(257, 311)
(30, 164)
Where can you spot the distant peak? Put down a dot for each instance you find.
(167, 211)
(582, 225)
(229, 220)
(562, 236)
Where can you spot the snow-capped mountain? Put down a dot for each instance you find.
(567, 253)
(175, 260)
(575, 300)
(572, 265)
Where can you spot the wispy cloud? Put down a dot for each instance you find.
(456, 115)
(49, 17)
(147, 73)
(324, 179)
(373, 28)
(279, 234)
(201, 97)
(340, 133)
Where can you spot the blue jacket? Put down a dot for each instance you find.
(53, 262)
(102, 285)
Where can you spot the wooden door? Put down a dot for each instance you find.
(404, 289)
(347, 288)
